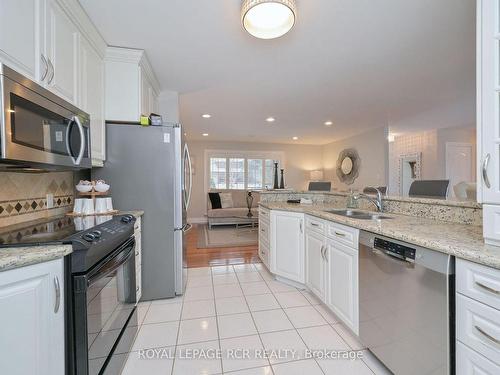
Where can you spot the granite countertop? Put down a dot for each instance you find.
(15, 257)
(461, 240)
(423, 200)
(136, 213)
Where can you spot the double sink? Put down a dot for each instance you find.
(362, 215)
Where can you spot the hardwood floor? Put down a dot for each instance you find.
(218, 256)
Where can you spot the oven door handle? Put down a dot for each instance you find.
(118, 261)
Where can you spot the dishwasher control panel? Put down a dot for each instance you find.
(392, 248)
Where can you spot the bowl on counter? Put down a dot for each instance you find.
(83, 188)
(101, 188)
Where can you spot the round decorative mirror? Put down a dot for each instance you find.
(348, 165)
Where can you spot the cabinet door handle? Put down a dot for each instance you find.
(314, 224)
(491, 290)
(300, 226)
(339, 234)
(46, 66)
(322, 251)
(486, 180)
(51, 71)
(57, 287)
(487, 335)
(137, 289)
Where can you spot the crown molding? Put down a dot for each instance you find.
(149, 72)
(124, 55)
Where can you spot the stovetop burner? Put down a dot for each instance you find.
(52, 230)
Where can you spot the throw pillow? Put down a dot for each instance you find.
(215, 200)
(226, 200)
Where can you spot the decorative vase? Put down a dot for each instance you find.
(249, 203)
(275, 186)
(282, 181)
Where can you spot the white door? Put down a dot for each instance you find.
(32, 338)
(92, 97)
(287, 245)
(21, 35)
(459, 164)
(489, 99)
(62, 52)
(342, 289)
(315, 265)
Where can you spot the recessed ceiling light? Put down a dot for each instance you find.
(205, 134)
(268, 19)
(295, 138)
(328, 123)
(270, 119)
(206, 115)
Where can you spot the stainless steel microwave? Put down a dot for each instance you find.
(38, 128)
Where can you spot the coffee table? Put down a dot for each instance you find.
(252, 224)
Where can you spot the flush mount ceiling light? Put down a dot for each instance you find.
(295, 138)
(270, 119)
(206, 115)
(205, 134)
(268, 19)
(328, 123)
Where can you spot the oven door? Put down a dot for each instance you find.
(104, 303)
(38, 130)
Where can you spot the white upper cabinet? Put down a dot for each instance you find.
(92, 97)
(32, 311)
(20, 47)
(287, 245)
(61, 46)
(488, 116)
(131, 86)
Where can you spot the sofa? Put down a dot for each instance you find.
(234, 215)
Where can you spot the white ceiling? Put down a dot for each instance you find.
(362, 64)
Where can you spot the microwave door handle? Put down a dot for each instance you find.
(68, 147)
(82, 137)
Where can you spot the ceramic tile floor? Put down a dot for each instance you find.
(242, 307)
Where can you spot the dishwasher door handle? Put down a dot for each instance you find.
(487, 335)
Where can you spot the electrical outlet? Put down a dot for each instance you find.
(50, 200)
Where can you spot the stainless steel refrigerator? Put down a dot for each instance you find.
(149, 168)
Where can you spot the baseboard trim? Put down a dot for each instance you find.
(197, 220)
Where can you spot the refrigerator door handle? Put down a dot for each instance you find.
(185, 228)
(187, 157)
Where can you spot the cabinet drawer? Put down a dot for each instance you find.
(478, 282)
(316, 225)
(343, 234)
(264, 234)
(469, 362)
(478, 326)
(263, 214)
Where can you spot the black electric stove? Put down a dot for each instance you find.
(100, 283)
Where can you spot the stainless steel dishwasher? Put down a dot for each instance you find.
(406, 305)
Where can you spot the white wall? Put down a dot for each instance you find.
(299, 161)
(168, 103)
(432, 146)
(372, 148)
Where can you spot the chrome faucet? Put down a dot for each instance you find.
(377, 202)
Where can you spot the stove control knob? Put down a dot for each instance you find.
(89, 237)
(126, 219)
(97, 233)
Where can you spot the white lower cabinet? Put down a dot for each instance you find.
(468, 362)
(477, 318)
(32, 315)
(315, 263)
(287, 245)
(342, 281)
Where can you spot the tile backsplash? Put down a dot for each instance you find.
(23, 196)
